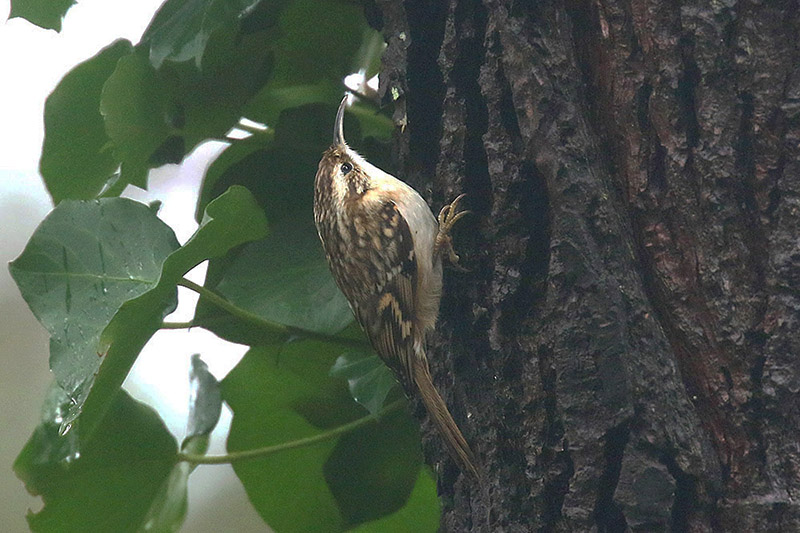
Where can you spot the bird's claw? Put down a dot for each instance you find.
(448, 217)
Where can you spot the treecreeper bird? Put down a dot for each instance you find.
(385, 249)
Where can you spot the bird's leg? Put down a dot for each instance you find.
(448, 217)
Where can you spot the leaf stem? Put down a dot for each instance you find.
(114, 188)
(252, 130)
(178, 325)
(268, 325)
(244, 140)
(256, 453)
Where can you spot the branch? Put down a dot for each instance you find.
(256, 453)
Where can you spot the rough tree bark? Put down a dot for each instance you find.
(624, 350)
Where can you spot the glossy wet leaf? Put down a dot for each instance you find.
(46, 14)
(181, 29)
(283, 393)
(76, 160)
(368, 378)
(110, 482)
(82, 263)
(230, 220)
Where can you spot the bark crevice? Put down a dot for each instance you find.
(470, 25)
(685, 502)
(426, 25)
(688, 81)
(608, 515)
(556, 460)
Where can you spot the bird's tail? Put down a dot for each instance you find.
(437, 410)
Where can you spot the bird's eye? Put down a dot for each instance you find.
(346, 167)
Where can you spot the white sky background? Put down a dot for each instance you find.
(32, 61)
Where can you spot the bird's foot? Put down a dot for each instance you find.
(448, 217)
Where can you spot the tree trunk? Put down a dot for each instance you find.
(623, 352)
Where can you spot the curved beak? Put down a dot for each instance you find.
(338, 126)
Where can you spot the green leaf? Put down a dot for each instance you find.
(81, 264)
(315, 49)
(371, 471)
(219, 170)
(283, 393)
(76, 161)
(110, 482)
(273, 99)
(155, 117)
(368, 56)
(181, 28)
(230, 220)
(205, 405)
(373, 122)
(236, 65)
(294, 86)
(136, 109)
(285, 277)
(419, 515)
(171, 503)
(368, 378)
(268, 392)
(46, 14)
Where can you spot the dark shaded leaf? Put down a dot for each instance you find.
(285, 277)
(315, 49)
(76, 160)
(283, 393)
(181, 28)
(128, 461)
(269, 390)
(154, 116)
(210, 100)
(46, 14)
(419, 515)
(136, 107)
(368, 378)
(372, 469)
(222, 166)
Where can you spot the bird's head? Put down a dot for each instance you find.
(342, 169)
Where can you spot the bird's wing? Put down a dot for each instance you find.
(387, 313)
